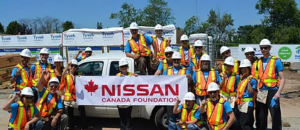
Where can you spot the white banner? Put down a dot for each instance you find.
(141, 90)
(38, 40)
(287, 52)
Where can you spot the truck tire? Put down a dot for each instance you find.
(161, 119)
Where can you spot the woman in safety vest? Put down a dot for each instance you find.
(190, 114)
(57, 71)
(67, 87)
(24, 114)
(125, 110)
(244, 99)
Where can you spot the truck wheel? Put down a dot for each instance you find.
(161, 119)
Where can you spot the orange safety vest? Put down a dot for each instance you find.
(129, 74)
(194, 60)
(240, 92)
(267, 76)
(163, 45)
(47, 108)
(185, 116)
(202, 84)
(165, 64)
(235, 69)
(170, 71)
(228, 89)
(191, 53)
(140, 48)
(69, 86)
(215, 114)
(25, 78)
(38, 72)
(21, 117)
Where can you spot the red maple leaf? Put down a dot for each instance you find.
(91, 87)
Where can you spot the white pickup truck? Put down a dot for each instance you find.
(107, 64)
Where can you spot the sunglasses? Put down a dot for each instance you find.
(124, 66)
(249, 54)
(185, 41)
(198, 47)
(168, 54)
(176, 59)
(212, 92)
(28, 98)
(75, 66)
(133, 30)
(264, 48)
(53, 86)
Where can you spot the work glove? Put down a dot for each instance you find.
(274, 102)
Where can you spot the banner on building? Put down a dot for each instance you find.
(36, 40)
(140, 90)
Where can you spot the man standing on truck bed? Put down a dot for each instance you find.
(87, 53)
(140, 44)
(186, 51)
(160, 42)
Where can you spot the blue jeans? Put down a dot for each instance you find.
(37, 126)
(193, 127)
(173, 126)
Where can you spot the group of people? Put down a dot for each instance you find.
(221, 98)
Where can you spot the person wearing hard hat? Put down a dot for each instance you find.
(186, 51)
(87, 53)
(140, 44)
(24, 114)
(203, 77)
(250, 54)
(176, 69)
(50, 104)
(245, 93)
(190, 113)
(269, 71)
(229, 81)
(57, 71)
(225, 52)
(195, 62)
(160, 42)
(125, 110)
(167, 62)
(67, 88)
(21, 75)
(217, 109)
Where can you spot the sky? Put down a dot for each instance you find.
(86, 13)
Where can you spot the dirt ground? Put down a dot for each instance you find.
(290, 107)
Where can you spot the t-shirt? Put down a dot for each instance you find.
(14, 110)
(278, 68)
(148, 39)
(205, 73)
(197, 114)
(253, 83)
(197, 59)
(160, 66)
(59, 102)
(176, 70)
(19, 78)
(159, 39)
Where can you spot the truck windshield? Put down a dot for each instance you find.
(91, 69)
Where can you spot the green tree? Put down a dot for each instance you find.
(191, 26)
(243, 34)
(283, 34)
(13, 28)
(1, 28)
(258, 33)
(157, 12)
(99, 25)
(67, 25)
(127, 15)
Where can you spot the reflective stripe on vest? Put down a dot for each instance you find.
(194, 60)
(202, 84)
(254, 70)
(38, 72)
(140, 48)
(129, 74)
(240, 92)
(70, 88)
(191, 53)
(228, 89)
(52, 73)
(21, 118)
(170, 71)
(185, 116)
(26, 80)
(161, 48)
(215, 115)
(165, 65)
(41, 101)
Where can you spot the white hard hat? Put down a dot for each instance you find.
(158, 27)
(205, 57)
(229, 61)
(54, 79)
(26, 53)
(74, 62)
(44, 51)
(189, 96)
(58, 58)
(265, 42)
(184, 37)
(123, 62)
(88, 49)
(245, 63)
(249, 49)
(176, 55)
(213, 87)
(134, 25)
(168, 49)
(27, 91)
(198, 43)
(223, 49)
